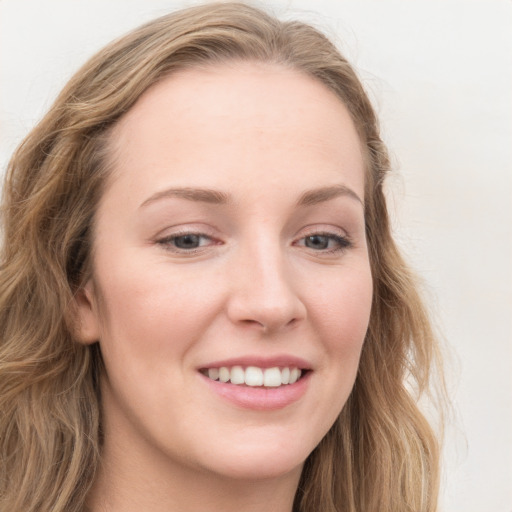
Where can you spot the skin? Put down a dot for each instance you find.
(255, 286)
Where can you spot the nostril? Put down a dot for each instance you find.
(268, 326)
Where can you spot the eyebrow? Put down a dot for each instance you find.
(204, 195)
(211, 196)
(320, 195)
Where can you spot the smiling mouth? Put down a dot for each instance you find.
(254, 376)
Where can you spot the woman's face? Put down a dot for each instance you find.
(229, 243)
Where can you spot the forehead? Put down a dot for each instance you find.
(246, 118)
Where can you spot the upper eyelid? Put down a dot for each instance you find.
(178, 230)
(171, 232)
(186, 232)
(303, 232)
(322, 229)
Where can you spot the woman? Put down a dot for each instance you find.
(202, 303)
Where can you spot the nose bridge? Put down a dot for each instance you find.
(263, 291)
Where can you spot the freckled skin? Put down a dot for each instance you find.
(254, 285)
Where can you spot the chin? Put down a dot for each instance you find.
(260, 470)
(258, 461)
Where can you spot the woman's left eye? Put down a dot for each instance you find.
(326, 242)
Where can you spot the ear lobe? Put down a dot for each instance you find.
(87, 322)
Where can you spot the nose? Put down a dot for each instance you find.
(263, 292)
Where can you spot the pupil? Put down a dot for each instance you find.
(187, 241)
(317, 242)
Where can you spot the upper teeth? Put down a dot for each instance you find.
(254, 376)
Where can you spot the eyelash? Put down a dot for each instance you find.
(342, 243)
(168, 241)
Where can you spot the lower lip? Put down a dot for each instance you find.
(259, 398)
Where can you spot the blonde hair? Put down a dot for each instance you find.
(380, 455)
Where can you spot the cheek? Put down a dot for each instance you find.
(150, 315)
(341, 311)
(343, 304)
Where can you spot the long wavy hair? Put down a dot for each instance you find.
(380, 454)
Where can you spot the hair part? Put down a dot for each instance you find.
(380, 455)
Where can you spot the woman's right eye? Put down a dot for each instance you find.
(187, 242)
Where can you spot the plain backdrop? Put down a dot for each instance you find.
(440, 75)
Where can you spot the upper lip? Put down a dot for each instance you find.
(281, 361)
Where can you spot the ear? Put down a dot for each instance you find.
(87, 329)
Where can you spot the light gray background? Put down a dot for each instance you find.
(440, 74)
